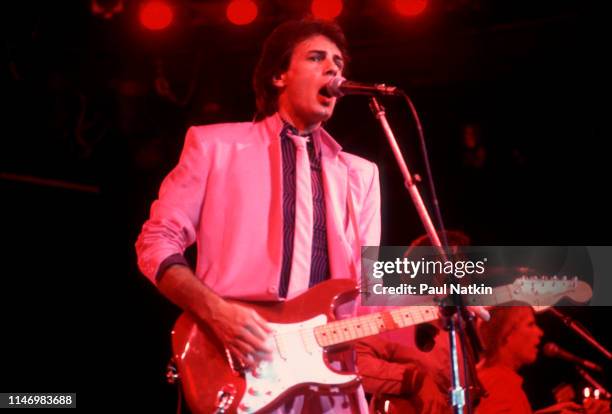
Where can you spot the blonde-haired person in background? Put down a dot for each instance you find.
(510, 340)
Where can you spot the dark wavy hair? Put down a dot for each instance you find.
(276, 56)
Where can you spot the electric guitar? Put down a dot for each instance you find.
(303, 330)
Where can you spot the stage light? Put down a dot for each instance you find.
(241, 12)
(156, 15)
(410, 7)
(326, 9)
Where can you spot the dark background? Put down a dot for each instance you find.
(101, 106)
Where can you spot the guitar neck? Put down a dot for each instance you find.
(351, 329)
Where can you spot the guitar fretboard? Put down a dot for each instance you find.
(351, 329)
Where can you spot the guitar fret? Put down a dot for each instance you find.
(335, 333)
(373, 326)
(352, 329)
(341, 331)
(368, 331)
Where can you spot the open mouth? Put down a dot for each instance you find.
(324, 92)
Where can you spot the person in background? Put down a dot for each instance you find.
(510, 340)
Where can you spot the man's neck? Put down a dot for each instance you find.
(302, 127)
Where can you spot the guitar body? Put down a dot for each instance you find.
(213, 381)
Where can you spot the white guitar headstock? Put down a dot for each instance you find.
(544, 291)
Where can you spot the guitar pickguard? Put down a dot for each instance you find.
(297, 360)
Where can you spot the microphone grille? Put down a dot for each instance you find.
(551, 349)
(333, 87)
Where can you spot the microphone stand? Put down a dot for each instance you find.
(379, 112)
(580, 330)
(457, 392)
(452, 313)
(471, 347)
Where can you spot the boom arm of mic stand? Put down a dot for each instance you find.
(580, 330)
(379, 112)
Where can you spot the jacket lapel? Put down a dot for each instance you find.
(335, 180)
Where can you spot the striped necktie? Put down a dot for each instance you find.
(302, 236)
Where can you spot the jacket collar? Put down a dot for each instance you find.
(328, 146)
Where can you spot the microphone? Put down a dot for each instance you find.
(553, 350)
(339, 86)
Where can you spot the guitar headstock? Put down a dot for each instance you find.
(544, 291)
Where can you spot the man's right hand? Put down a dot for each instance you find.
(243, 331)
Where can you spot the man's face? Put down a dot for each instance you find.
(313, 63)
(523, 341)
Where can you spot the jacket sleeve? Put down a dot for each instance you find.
(381, 372)
(174, 216)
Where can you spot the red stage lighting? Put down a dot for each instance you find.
(156, 15)
(326, 9)
(410, 7)
(241, 12)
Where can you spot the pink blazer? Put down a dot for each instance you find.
(226, 195)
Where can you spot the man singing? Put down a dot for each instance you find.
(274, 205)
